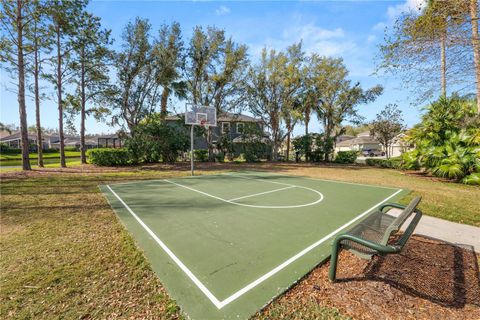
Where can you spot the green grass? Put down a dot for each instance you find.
(66, 255)
(34, 156)
(48, 163)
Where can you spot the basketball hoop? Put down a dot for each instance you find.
(198, 115)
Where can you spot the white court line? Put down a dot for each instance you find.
(260, 193)
(307, 178)
(320, 198)
(179, 263)
(236, 295)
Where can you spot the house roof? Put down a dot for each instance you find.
(17, 135)
(224, 116)
(358, 140)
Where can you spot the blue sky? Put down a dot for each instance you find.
(349, 29)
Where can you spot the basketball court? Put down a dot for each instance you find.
(225, 245)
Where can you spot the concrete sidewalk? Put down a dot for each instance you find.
(452, 232)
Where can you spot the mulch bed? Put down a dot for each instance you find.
(430, 279)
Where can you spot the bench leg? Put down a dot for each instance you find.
(332, 273)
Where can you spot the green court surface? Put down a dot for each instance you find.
(225, 245)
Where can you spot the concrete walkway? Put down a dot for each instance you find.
(452, 232)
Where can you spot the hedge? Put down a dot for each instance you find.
(5, 148)
(346, 157)
(109, 157)
(394, 163)
(201, 155)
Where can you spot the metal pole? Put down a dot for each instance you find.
(191, 149)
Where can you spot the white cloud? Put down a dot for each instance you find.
(222, 10)
(329, 42)
(408, 6)
(371, 38)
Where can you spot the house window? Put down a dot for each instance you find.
(239, 127)
(225, 127)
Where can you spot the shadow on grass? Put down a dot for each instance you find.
(430, 269)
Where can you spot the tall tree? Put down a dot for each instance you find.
(273, 88)
(41, 40)
(136, 92)
(337, 97)
(476, 46)
(15, 17)
(387, 125)
(215, 71)
(64, 16)
(90, 67)
(430, 48)
(168, 52)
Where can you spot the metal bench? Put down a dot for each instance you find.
(371, 236)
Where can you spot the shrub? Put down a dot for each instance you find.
(447, 141)
(252, 146)
(201, 155)
(154, 140)
(313, 146)
(220, 157)
(50, 150)
(110, 157)
(4, 148)
(346, 157)
(472, 179)
(393, 163)
(71, 149)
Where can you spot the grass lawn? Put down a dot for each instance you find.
(34, 156)
(65, 254)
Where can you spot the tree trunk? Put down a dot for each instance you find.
(83, 150)
(476, 46)
(164, 102)
(60, 102)
(37, 106)
(211, 156)
(443, 65)
(21, 90)
(288, 146)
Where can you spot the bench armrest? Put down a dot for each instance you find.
(385, 249)
(391, 205)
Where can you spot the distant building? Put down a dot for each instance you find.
(109, 141)
(364, 141)
(227, 123)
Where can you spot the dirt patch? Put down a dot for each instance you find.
(429, 280)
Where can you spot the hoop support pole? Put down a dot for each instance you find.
(191, 149)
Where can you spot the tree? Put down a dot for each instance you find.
(41, 41)
(387, 125)
(15, 17)
(90, 68)
(336, 97)
(64, 15)
(215, 71)
(168, 52)
(430, 47)
(136, 92)
(476, 46)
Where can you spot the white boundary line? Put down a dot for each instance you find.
(308, 178)
(260, 193)
(236, 295)
(179, 263)
(320, 198)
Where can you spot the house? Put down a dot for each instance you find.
(399, 146)
(364, 141)
(232, 124)
(14, 140)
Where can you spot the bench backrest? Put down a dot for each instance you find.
(400, 220)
